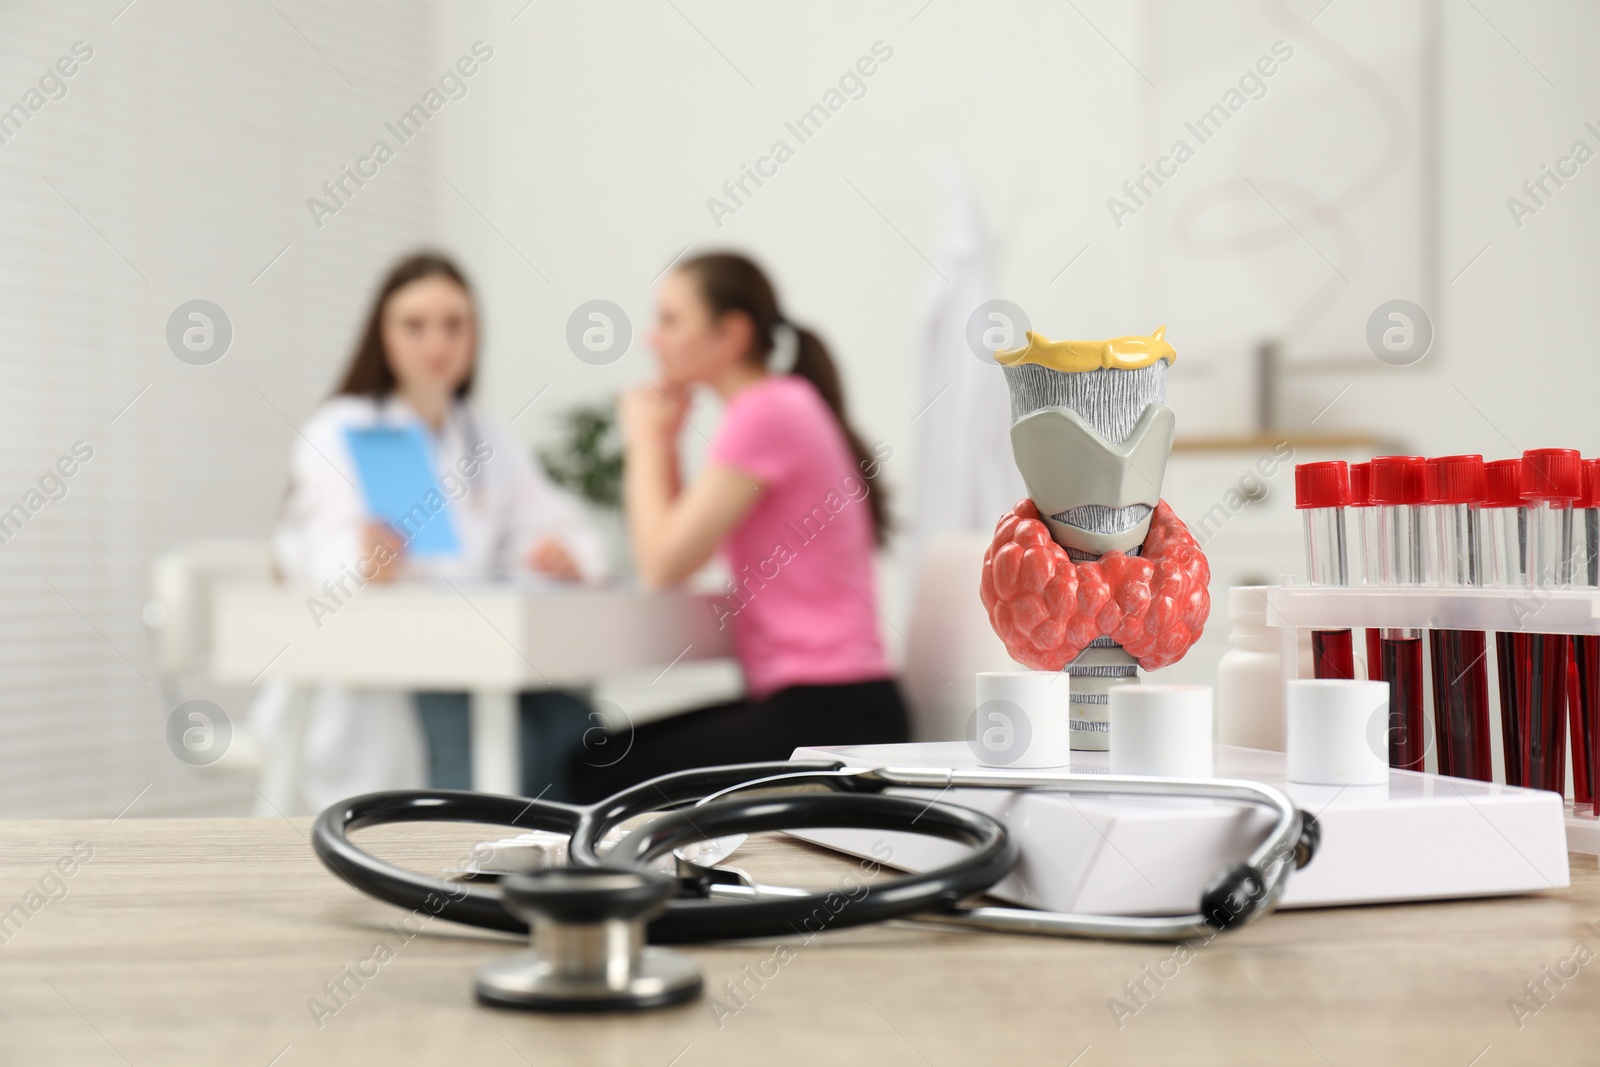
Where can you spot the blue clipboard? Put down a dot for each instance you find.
(397, 480)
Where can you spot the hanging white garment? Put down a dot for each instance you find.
(965, 479)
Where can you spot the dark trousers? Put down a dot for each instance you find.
(550, 728)
(861, 713)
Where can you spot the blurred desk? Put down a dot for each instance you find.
(492, 640)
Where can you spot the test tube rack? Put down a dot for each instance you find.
(1298, 609)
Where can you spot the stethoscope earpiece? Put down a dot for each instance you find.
(588, 944)
(1230, 898)
(1235, 893)
(1310, 839)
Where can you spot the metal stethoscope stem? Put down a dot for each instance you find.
(1237, 895)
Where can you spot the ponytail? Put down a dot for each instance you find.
(732, 282)
(813, 363)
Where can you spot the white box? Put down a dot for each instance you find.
(1420, 837)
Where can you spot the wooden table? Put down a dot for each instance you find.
(205, 941)
(492, 640)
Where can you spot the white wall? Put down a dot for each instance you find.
(585, 151)
(601, 131)
(176, 167)
(1512, 366)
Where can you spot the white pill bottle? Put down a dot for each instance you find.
(1249, 710)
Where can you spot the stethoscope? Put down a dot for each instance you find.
(591, 919)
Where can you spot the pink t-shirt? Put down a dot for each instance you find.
(803, 603)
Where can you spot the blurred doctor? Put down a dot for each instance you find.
(414, 367)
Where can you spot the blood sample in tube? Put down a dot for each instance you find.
(1321, 493)
(1402, 666)
(1507, 569)
(1583, 691)
(1461, 704)
(1582, 681)
(1456, 487)
(1366, 519)
(1398, 492)
(1552, 479)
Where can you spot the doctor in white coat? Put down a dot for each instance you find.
(414, 367)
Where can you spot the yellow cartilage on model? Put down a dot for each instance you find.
(1121, 353)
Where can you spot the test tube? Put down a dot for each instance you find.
(1583, 691)
(1552, 479)
(1507, 569)
(1366, 518)
(1398, 492)
(1456, 488)
(1321, 492)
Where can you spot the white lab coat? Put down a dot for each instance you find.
(356, 741)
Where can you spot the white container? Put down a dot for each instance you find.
(1021, 719)
(1162, 731)
(1421, 837)
(1249, 709)
(1338, 732)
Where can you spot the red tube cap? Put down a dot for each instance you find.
(1398, 480)
(1552, 474)
(1504, 478)
(1360, 484)
(1322, 485)
(1590, 498)
(1456, 480)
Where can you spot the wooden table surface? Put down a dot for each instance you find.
(208, 941)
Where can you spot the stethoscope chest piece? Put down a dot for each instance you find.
(588, 944)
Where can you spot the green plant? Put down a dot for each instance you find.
(587, 460)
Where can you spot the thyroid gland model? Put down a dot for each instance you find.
(1093, 573)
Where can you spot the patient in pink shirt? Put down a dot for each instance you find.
(789, 498)
(802, 603)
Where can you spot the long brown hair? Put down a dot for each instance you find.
(369, 373)
(731, 282)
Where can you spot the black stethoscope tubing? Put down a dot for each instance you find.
(991, 854)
